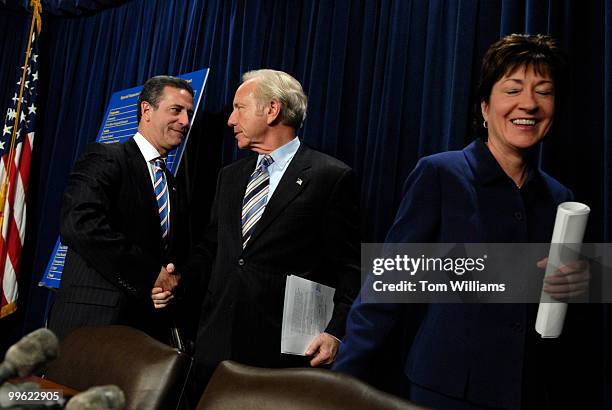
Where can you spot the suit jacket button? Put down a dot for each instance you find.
(241, 262)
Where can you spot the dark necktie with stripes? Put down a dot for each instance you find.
(160, 187)
(255, 198)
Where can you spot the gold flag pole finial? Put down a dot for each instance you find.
(36, 21)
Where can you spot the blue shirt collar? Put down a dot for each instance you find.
(282, 155)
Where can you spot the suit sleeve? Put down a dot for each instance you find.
(369, 324)
(342, 245)
(87, 227)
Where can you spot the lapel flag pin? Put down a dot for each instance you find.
(299, 181)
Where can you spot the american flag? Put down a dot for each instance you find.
(14, 175)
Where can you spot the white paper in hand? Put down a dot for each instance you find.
(568, 233)
(307, 310)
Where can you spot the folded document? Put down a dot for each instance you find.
(307, 310)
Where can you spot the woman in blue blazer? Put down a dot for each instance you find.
(476, 356)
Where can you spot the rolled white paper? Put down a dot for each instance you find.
(566, 242)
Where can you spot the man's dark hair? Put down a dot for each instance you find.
(153, 90)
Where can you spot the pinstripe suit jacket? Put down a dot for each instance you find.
(110, 223)
(309, 228)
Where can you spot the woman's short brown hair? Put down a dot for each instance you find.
(538, 52)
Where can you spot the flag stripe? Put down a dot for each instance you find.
(18, 167)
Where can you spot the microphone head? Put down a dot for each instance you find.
(32, 352)
(108, 397)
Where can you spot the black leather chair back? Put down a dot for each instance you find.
(151, 374)
(236, 386)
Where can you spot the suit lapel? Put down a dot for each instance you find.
(174, 205)
(143, 188)
(294, 181)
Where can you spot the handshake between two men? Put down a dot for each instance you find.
(165, 285)
(288, 209)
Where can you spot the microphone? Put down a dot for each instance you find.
(98, 398)
(29, 354)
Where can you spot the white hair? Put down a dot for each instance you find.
(278, 85)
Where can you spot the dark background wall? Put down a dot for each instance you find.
(388, 82)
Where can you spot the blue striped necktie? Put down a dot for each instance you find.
(161, 194)
(255, 198)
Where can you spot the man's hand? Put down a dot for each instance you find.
(568, 281)
(167, 279)
(323, 349)
(163, 289)
(161, 297)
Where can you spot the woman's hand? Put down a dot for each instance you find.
(568, 281)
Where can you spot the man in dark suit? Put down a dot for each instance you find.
(289, 210)
(120, 218)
